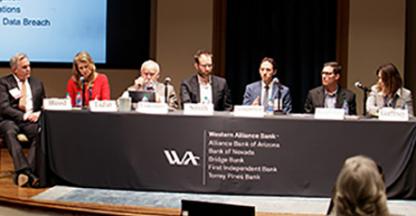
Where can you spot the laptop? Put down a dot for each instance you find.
(138, 96)
(200, 208)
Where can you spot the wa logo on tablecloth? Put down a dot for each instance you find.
(188, 158)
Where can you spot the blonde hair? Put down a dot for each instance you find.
(83, 57)
(360, 189)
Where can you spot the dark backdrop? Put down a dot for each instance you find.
(299, 34)
(128, 33)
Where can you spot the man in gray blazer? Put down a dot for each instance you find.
(267, 90)
(21, 98)
(330, 94)
(149, 81)
(204, 87)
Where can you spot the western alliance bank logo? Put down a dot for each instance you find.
(187, 159)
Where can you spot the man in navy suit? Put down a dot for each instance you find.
(21, 98)
(268, 90)
(205, 87)
(330, 94)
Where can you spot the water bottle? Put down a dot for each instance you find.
(345, 107)
(269, 107)
(78, 100)
(68, 99)
(205, 100)
(145, 99)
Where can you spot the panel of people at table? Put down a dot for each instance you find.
(87, 84)
(204, 87)
(21, 96)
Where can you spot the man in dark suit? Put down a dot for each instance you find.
(21, 99)
(267, 90)
(205, 87)
(330, 94)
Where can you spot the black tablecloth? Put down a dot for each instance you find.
(220, 153)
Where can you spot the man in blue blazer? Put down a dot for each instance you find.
(268, 90)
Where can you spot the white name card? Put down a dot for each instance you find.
(248, 111)
(329, 113)
(103, 106)
(152, 108)
(390, 114)
(57, 104)
(198, 109)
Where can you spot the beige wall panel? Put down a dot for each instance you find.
(376, 36)
(183, 26)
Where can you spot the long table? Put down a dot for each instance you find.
(283, 155)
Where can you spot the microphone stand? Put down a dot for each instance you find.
(279, 110)
(83, 93)
(166, 92)
(365, 91)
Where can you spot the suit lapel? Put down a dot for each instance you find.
(340, 98)
(32, 88)
(213, 87)
(13, 85)
(400, 101)
(274, 90)
(321, 97)
(195, 85)
(13, 82)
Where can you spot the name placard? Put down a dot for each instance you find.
(248, 111)
(57, 104)
(198, 109)
(391, 114)
(152, 108)
(329, 113)
(103, 106)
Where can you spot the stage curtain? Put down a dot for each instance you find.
(299, 34)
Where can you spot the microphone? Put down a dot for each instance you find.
(359, 85)
(82, 80)
(365, 89)
(275, 80)
(167, 81)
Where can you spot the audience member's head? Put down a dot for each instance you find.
(360, 189)
(83, 66)
(267, 69)
(389, 80)
(331, 73)
(203, 63)
(20, 66)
